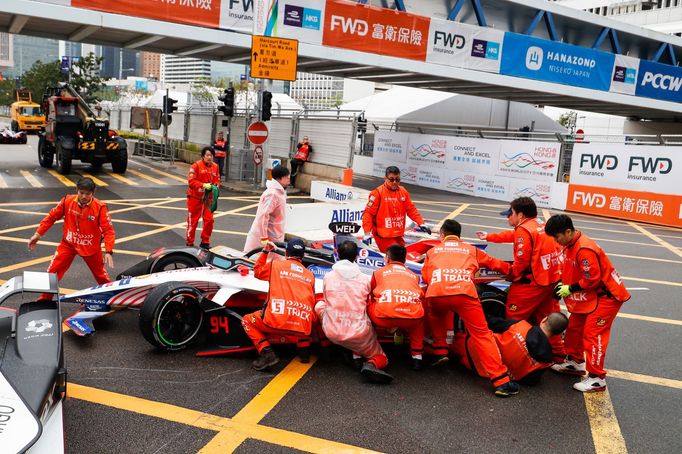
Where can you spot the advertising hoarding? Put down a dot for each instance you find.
(650, 168)
(624, 76)
(659, 81)
(663, 209)
(376, 30)
(391, 146)
(551, 61)
(529, 160)
(466, 46)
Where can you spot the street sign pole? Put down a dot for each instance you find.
(165, 127)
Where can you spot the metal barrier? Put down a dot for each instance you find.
(241, 166)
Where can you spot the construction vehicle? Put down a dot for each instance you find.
(74, 131)
(25, 114)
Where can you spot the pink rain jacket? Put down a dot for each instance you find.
(343, 312)
(270, 217)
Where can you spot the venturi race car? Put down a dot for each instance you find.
(32, 373)
(9, 136)
(186, 294)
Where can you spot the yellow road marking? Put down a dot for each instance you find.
(228, 232)
(653, 259)
(147, 177)
(606, 433)
(168, 175)
(663, 243)
(121, 178)
(454, 214)
(648, 379)
(31, 179)
(259, 406)
(32, 262)
(207, 421)
(65, 181)
(644, 318)
(653, 281)
(3, 183)
(97, 181)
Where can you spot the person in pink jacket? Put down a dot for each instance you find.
(343, 314)
(271, 214)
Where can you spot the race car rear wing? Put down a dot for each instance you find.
(30, 282)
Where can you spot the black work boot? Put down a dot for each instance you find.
(266, 359)
(371, 373)
(304, 354)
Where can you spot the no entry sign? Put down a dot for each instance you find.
(257, 133)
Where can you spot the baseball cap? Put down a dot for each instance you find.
(506, 213)
(295, 248)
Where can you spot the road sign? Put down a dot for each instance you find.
(258, 155)
(579, 135)
(257, 133)
(273, 58)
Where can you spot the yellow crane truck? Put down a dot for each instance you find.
(25, 114)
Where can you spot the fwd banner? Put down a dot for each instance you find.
(649, 168)
(551, 61)
(375, 30)
(663, 209)
(659, 81)
(467, 46)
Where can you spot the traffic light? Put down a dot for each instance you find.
(169, 105)
(228, 100)
(362, 123)
(267, 106)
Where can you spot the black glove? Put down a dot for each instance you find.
(424, 228)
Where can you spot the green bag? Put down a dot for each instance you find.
(211, 198)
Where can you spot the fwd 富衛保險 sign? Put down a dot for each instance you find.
(662, 209)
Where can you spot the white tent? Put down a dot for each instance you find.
(413, 107)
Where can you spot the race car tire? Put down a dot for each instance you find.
(493, 300)
(24, 140)
(45, 154)
(171, 317)
(175, 262)
(64, 157)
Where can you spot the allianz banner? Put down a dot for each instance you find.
(659, 81)
(650, 168)
(551, 61)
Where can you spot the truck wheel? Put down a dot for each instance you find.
(171, 317)
(45, 155)
(64, 156)
(119, 163)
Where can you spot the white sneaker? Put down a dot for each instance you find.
(569, 367)
(590, 385)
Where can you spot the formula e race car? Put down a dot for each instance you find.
(9, 136)
(32, 373)
(185, 294)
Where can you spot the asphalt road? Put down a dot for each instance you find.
(124, 396)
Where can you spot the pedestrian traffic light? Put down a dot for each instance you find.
(266, 106)
(228, 100)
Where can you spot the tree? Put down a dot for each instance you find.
(40, 76)
(568, 119)
(85, 77)
(6, 92)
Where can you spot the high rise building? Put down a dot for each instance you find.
(120, 63)
(317, 91)
(184, 70)
(151, 65)
(27, 50)
(664, 16)
(6, 52)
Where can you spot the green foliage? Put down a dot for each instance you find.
(567, 119)
(6, 92)
(107, 93)
(85, 77)
(202, 94)
(40, 76)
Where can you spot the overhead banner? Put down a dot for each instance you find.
(350, 25)
(197, 12)
(648, 168)
(529, 160)
(551, 61)
(291, 19)
(624, 77)
(665, 209)
(466, 46)
(659, 81)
